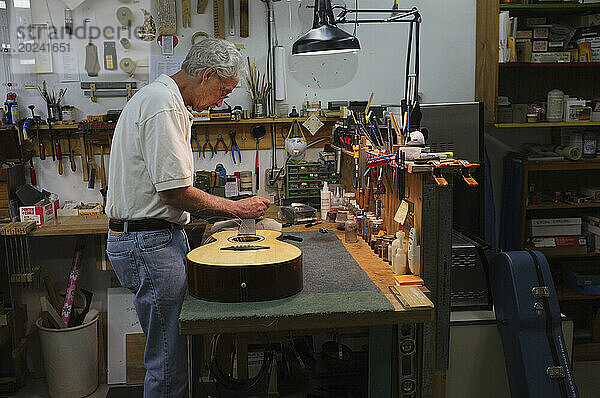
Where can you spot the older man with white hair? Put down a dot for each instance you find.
(151, 194)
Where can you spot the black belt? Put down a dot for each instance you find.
(149, 224)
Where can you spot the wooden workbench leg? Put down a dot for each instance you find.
(195, 360)
(380, 361)
(190, 367)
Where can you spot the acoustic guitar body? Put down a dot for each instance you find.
(238, 268)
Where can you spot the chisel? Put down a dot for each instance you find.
(58, 154)
(92, 167)
(84, 158)
(71, 159)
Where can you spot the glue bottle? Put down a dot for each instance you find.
(394, 248)
(325, 201)
(399, 266)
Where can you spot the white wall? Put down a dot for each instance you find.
(447, 62)
(447, 71)
(447, 52)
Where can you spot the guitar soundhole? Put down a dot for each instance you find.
(245, 238)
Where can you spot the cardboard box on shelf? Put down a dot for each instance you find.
(549, 57)
(541, 32)
(540, 46)
(41, 213)
(554, 227)
(91, 209)
(585, 21)
(524, 34)
(524, 50)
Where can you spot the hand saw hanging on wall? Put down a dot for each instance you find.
(219, 18)
(167, 17)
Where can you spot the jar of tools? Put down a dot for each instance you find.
(386, 247)
(340, 219)
(376, 226)
(350, 230)
(259, 108)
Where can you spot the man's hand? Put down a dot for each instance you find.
(201, 203)
(251, 207)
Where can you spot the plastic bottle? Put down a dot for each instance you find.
(589, 144)
(555, 106)
(325, 201)
(395, 245)
(399, 266)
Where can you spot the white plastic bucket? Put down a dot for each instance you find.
(70, 359)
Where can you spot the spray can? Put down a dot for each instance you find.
(11, 110)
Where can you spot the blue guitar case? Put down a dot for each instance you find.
(528, 318)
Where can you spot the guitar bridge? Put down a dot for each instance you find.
(245, 247)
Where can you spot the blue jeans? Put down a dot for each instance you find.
(152, 265)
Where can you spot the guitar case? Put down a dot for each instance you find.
(529, 322)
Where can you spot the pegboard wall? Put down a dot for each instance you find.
(447, 58)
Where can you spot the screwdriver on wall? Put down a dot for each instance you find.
(41, 149)
(58, 155)
(71, 159)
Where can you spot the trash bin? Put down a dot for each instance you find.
(70, 359)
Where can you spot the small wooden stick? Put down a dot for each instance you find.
(52, 293)
(53, 317)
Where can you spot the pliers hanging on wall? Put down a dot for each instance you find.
(206, 142)
(220, 141)
(234, 148)
(195, 138)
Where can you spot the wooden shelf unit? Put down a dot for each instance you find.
(549, 64)
(525, 83)
(546, 124)
(551, 7)
(56, 126)
(565, 293)
(561, 165)
(546, 175)
(242, 128)
(555, 206)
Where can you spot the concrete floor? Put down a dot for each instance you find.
(37, 388)
(586, 376)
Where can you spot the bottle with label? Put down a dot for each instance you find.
(396, 244)
(399, 266)
(554, 112)
(11, 109)
(325, 201)
(589, 144)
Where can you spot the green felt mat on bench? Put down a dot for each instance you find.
(301, 304)
(333, 283)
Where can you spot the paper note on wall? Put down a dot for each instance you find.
(68, 66)
(159, 64)
(401, 213)
(42, 48)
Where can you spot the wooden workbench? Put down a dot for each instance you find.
(316, 311)
(73, 225)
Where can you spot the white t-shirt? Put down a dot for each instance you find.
(150, 153)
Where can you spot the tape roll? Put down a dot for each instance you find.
(127, 65)
(125, 42)
(125, 16)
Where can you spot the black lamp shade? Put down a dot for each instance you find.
(324, 37)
